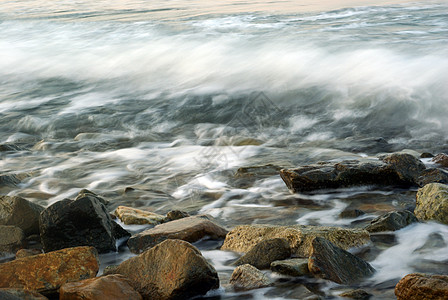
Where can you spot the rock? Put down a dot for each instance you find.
(86, 193)
(176, 215)
(432, 203)
(173, 269)
(291, 267)
(398, 169)
(10, 180)
(247, 277)
(11, 238)
(10, 148)
(111, 269)
(351, 213)
(441, 159)
(422, 287)
(27, 252)
(265, 252)
(111, 287)
(246, 176)
(20, 294)
(19, 212)
(242, 238)
(190, 229)
(356, 294)
(426, 155)
(47, 272)
(129, 215)
(333, 263)
(81, 222)
(432, 176)
(433, 242)
(391, 221)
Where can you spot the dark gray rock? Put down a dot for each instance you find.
(333, 263)
(11, 238)
(351, 213)
(265, 252)
(19, 212)
(176, 215)
(20, 294)
(291, 267)
(356, 294)
(10, 148)
(391, 221)
(432, 176)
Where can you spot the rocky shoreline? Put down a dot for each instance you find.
(52, 253)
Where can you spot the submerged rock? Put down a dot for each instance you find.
(432, 176)
(111, 287)
(432, 203)
(356, 294)
(398, 169)
(19, 212)
(173, 269)
(265, 252)
(422, 287)
(176, 215)
(247, 277)
(47, 272)
(242, 238)
(391, 221)
(441, 159)
(333, 263)
(350, 213)
(130, 215)
(11, 238)
(190, 229)
(20, 294)
(291, 267)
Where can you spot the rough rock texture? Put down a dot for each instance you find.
(27, 252)
(190, 229)
(265, 252)
(129, 215)
(111, 287)
(441, 159)
(291, 267)
(356, 294)
(247, 277)
(20, 294)
(432, 203)
(173, 269)
(19, 212)
(349, 213)
(86, 193)
(243, 238)
(391, 221)
(330, 262)
(11, 238)
(422, 287)
(47, 272)
(398, 169)
(432, 176)
(176, 215)
(81, 222)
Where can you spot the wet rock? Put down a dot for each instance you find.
(20, 294)
(19, 212)
(351, 213)
(81, 222)
(10, 148)
(265, 252)
(398, 169)
(247, 277)
(11, 238)
(47, 272)
(391, 221)
(246, 176)
(422, 287)
(111, 287)
(333, 263)
(10, 180)
(173, 269)
(176, 215)
(434, 241)
(27, 252)
(190, 229)
(356, 294)
(86, 193)
(130, 215)
(441, 159)
(432, 203)
(426, 155)
(432, 176)
(112, 269)
(242, 238)
(291, 267)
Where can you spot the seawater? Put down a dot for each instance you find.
(170, 98)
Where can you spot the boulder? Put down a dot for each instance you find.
(356, 294)
(190, 229)
(111, 287)
(247, 277)
(422, 287)
(242, 238)
(173, 269)
(265, 252)
(11, 238)
(27, 252)
(291, 267)
(86, 193)
(441, 159)
(398, 169)
(391, 221)
(432, 203)
(176, 215)
(129, 215)
(333, 263)
(20, 294)
(47, 272)
(81, 222)
(19, 212)
(432, 176)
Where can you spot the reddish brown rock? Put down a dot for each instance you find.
(20, 294)
(441, 159)
(247, 277)
(422, 287)
(111, 287)
(47, 272)
(173, 269)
